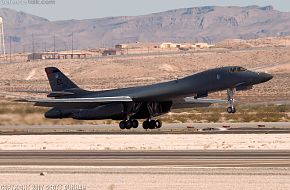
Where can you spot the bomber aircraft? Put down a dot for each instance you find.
(67, 100)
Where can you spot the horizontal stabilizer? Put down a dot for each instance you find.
(33, 92)
(50, 93)
(59, 94)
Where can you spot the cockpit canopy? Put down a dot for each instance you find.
(237, 69)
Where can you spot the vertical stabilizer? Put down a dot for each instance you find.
(58, 81)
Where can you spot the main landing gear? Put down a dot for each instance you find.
(152, 124)
(151, 109)
(231, 107)
(128, 124)
(147, 124)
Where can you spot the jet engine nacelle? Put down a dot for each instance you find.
(101, 112)
(56, 113)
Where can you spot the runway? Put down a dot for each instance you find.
(177, 128)
(147, 158)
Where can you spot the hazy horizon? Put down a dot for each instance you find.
(88, 9)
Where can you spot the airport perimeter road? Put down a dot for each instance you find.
(148, 158)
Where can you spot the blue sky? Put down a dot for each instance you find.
(85, 9)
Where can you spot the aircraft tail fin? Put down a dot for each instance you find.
(58, 81)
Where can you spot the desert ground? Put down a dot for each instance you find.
(270, 55)
(147, 142)
(99, 73)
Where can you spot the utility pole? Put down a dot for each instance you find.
(10, 48)
(23, 48)
(33, 48)
(2, 41)
(45, 49)
(54, 47)
(72, 45)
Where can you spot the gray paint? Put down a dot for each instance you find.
(162, 97)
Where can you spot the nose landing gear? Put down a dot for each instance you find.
(231, 107)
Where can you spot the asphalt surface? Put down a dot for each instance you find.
(187, 128)
(147, 158)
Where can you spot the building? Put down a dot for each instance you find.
(42, 56)
(109, 52)
(168, 45)
(185, 46)
(73, 55)
(202, 45)
(121, 46)
(54, 55)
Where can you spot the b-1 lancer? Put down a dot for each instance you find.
(67, 100)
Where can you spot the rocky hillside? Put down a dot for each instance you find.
(209, 24)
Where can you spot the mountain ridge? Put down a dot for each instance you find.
(196, 24)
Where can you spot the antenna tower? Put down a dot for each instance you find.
(2, 42)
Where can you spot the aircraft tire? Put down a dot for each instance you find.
(135, 124)
(158, 124)
(152, 124)
(231, 110)
(146, 124)
(129, 124)
(234, 110)
(122, 125)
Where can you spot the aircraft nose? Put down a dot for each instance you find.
(264, 77)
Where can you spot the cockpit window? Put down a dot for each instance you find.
(237, 69)
(241, 69)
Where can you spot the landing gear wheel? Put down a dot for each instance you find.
(234, 110)
(146, 124)
(152, 124)
(231, 110)
(135, 124)
(122, 125)
(129, 124)
(158, 124)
